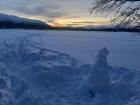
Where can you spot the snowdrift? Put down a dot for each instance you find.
(34, 75)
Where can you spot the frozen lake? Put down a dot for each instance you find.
(124, 47)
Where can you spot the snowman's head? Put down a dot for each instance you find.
(104, 51)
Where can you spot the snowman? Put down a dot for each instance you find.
(99, 79)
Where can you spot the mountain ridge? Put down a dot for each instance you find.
(12, 21)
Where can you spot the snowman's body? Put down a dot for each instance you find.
(99, 79)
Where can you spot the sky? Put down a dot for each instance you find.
(55, 12)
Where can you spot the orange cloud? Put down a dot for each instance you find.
(65, 21)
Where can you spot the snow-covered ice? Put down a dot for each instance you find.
(124, 46)
(49, 67)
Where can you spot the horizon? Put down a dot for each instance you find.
(58, 13)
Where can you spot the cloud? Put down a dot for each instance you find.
(33, 7)
(90, 22)
(49, 11)
(56, 12)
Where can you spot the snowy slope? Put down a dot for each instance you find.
(15, 19)
(33, 72)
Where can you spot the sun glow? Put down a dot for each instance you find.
(77, 22)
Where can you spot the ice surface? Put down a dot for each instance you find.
(124, 46)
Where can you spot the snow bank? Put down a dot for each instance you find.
(28, 77)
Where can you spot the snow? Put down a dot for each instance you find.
(99, 79)
(49, 67)
(124, 46)
(15, 19)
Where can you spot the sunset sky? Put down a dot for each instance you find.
(55, 12)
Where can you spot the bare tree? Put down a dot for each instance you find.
(126, 11)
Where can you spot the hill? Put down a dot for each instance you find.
(11, 21)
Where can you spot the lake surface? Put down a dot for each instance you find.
(124, 47)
